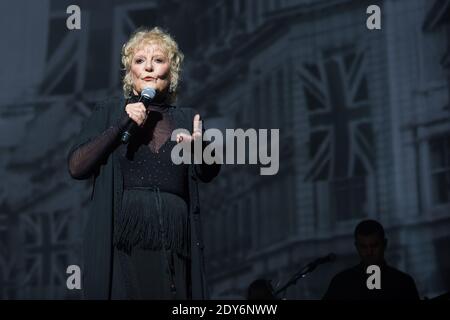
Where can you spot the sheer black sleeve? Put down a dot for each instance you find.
(86, 159)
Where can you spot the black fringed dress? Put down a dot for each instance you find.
(150, 254)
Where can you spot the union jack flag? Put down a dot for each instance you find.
(341, 137)
(66, 58)
(48, 247)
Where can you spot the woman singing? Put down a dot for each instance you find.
(143, 236)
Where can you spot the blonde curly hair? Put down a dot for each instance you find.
(141, 37)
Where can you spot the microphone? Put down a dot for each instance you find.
(146, 98)
(328, 258)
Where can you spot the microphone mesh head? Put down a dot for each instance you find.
(148, 92)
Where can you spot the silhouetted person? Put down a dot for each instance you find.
(351, 284)
(260, 289)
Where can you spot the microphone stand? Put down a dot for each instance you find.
(300, 274)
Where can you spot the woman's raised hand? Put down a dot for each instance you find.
(197, 134)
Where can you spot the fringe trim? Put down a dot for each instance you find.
(139, 224)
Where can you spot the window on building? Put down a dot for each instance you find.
(440, 169)
(442, 274)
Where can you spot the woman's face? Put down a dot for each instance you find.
(150, 67)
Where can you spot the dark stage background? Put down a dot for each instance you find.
(363, 118)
